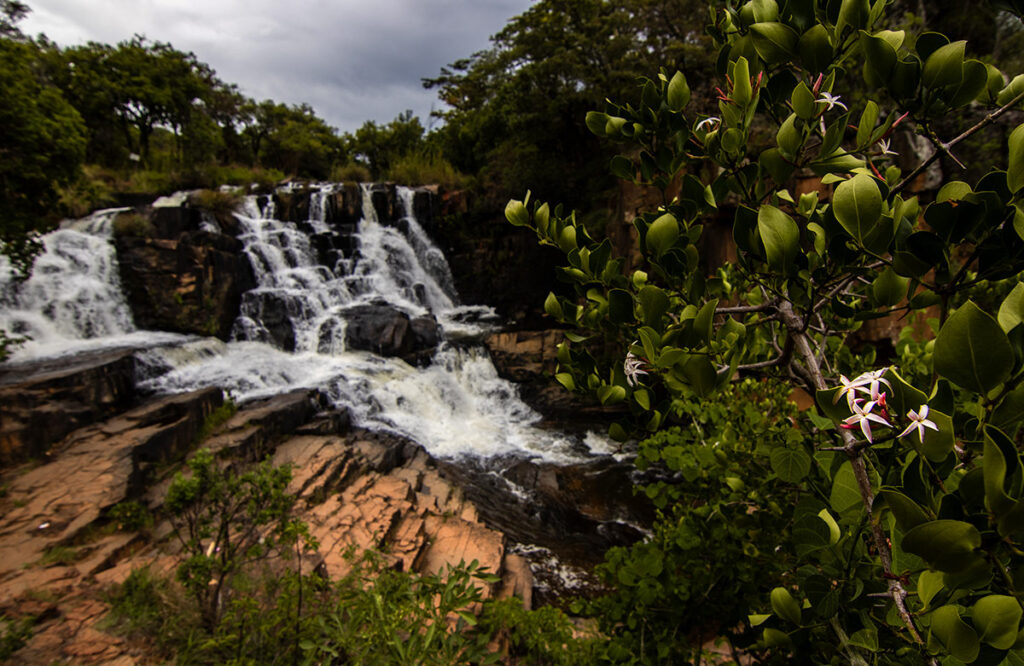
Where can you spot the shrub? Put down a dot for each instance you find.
(350, 173)
(220, 203)
(425, 169)
(132, 224)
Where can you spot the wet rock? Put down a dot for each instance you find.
(41, 402)
(387, 331)
(274, 310)
(192, 283)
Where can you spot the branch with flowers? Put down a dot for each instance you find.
(932, 463)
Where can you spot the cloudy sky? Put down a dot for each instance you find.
(352, 60)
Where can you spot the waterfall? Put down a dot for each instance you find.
(290, 332)
(73, 299)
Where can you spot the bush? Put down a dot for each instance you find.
(220, 203)
(132, 224)
(425, 169)
(350, 173)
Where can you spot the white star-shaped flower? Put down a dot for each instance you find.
(633, 366)
(868, 383)
(831, 100)
(862, 417)
(919, 421)
(711, 123)
(883, 145)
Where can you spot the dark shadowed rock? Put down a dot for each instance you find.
(41, 402)
(387, 331)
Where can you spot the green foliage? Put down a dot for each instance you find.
(738, 475)
(216, 419)
(224, 519)
(425, 168)
(904, 480)
(14, 633)
(350, 173)
(132, 224)
(59, 556)
(545, 635)
(220, 203)
(130, 516)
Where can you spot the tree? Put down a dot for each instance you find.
(42, 144)
(291, 138)
(919, 484)
(516, 109)
(380, 147)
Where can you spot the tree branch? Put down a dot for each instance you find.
(944, 148)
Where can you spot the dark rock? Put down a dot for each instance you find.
(387, 331)
(383, 197)
(191, 283)
(170, 222)
(346, 205)
(41, 402)
(425, 209)
(333, 422)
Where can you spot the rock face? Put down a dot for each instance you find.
(183, 279)
(41, 404)
(387, 331)
(354, 488)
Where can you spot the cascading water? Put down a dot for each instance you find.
(73, 299)
(290, 331)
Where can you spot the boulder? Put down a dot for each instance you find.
(388, 331)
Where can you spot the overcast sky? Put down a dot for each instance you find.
(351, 60)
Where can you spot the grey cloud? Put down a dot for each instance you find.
(352, 61)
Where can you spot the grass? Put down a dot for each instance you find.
(216, 419)
(59, 556)
(350, 173)
(425, 169)
(132, 224)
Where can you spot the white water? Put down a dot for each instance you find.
(457, 406)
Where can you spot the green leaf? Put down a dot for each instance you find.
(945, 66)
(845, 494)
(741, 90)
(1014, 88)
(789, 137)
(596, 122)
(929, 583)
(852, 14)
(906, 511)
(553, 307)
(611, 394)
(777, 166)
(1015, 171)
(785, 606)
(700, 374)
(662, 234)
(678, 94)
(888, 289)
(951, 631)
(997, 617)
(703, 323)
(790, 464)
(1011, 311)
(996, 468)
(972, 351)
(815, 48)
(642, 398)
(780, 235)
(810, 533)
(516, 213)
(566, 380)
(857, 204)
(866, 124)
(803, 102)
(654, 302)
(946, 545)
(775, 42)
(833, 527)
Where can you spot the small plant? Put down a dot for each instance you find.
(225, 520)
(14, 633)
(222, 204)
(130, 516)
(131, 224)
(217, 418)
(425, 169)
(59, 556)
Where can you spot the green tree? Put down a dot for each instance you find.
(290, 138)
(381, 147)
(909, 548)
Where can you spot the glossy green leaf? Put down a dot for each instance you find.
(1015, 171)
(880, 54)
(1011, 311)
(777, 166)
(857, 205)
(945, 66)
(553, 307)
(662, 234)
(907, 512)
(611, 394)
(620, 306)
(780, 235)
(1013, 89)
(929, 583)
(741, 89)
(596, 122)
(853, 14)
(999, 461)
(961, 641)
(789, 137)
(997, 618)
(678, 93)
(833, 527)
(703, 323)
(845, 494)
(866, 124)
(815, 49)
(775, 42)
(946, 545)
(785, 606)
(516, 213)
(803, 102)
(972, 351)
